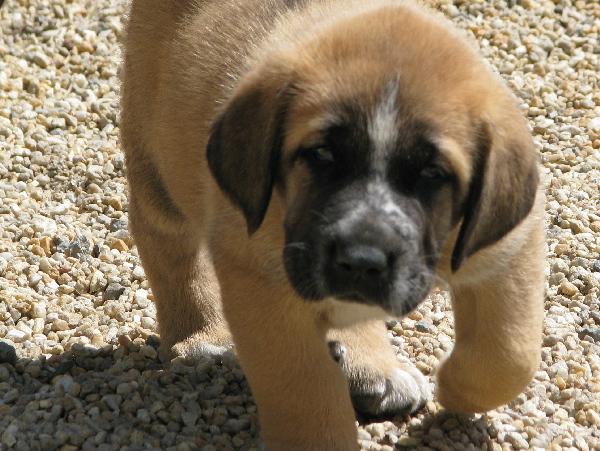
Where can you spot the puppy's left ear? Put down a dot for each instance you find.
(503, 185)
(245, 140)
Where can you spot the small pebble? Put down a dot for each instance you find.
(113, 291)
(8, 354)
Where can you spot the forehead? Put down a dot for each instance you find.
(377, 119)
(318, 106)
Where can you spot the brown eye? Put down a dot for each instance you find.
(434, 172)
(322, 154)
(318, 156)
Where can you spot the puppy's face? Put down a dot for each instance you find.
(380, 145)
(371, 191)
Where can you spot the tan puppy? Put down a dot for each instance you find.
(307, 167)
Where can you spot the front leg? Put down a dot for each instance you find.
(184, 285)
(301, 393)
(380, 384)
(498, 302)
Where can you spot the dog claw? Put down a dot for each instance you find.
(403, 391)
(337, 350)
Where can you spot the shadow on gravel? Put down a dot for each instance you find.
(432, 430)
(124, 398)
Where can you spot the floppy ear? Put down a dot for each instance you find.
(502, 189)
(244, 144)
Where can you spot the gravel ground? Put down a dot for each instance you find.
(78, 360)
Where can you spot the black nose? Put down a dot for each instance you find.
(360, 261)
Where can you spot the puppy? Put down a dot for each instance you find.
(300, 170)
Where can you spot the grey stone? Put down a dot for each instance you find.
(113, 291)
(117, 224)
(8, 353)
(79, 247)
(594, 334)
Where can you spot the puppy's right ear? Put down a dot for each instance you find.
(245, 142)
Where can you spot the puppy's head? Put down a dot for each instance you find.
(384, 134)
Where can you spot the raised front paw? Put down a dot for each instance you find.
(396, 388)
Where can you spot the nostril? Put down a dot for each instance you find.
(373, 272)
(364, 260)
(345, 266)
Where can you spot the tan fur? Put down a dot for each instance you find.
(193, 63)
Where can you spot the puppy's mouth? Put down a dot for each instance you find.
(362, 291)
(399, 299)
(354, 297)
